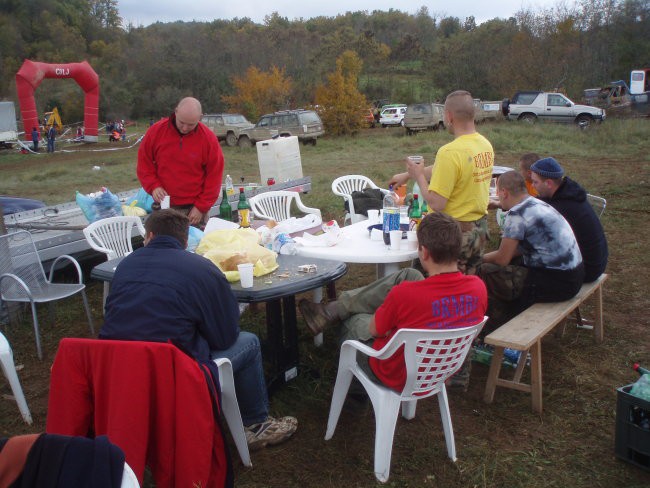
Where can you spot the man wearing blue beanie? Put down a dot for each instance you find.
(570, 199)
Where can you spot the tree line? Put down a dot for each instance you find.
(403, 57)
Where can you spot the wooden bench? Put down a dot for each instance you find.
(525, 332)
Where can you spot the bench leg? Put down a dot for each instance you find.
(493, 374)
(520, 367)
(536, 376)
(599, 331)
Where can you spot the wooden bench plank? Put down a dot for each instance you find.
(522, 331)
(525, 332)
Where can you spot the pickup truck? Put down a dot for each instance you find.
(531, 106)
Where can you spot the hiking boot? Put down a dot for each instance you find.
(318, 316)
(270, 432)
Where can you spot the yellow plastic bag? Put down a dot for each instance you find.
(222, 245)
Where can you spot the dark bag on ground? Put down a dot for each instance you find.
(364, 200)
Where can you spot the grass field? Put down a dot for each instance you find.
(502, 444)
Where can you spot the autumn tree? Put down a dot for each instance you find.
(341, 103)
(259, 92)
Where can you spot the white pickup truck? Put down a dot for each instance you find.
(531, 106)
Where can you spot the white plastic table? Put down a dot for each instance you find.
(356, 247)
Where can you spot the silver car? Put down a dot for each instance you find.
(227, 126)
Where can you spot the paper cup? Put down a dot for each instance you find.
(415, 159)
(165, 202)
(246, 274)
(395, 239)
(411, 240)
(373, 216)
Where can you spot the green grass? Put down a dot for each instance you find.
(503, 444)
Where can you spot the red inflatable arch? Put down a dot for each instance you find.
(31, 74)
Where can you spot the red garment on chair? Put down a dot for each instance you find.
(149, 398)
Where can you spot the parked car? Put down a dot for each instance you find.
(424, 116)
(392, 115)
(227, 126)
(531, 106)
(305, 124)
(484, 110)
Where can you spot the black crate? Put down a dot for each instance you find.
(632, 436)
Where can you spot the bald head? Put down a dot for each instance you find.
(460, 105)
(188, 113)
(513, 182)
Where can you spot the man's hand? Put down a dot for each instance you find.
(399, 179)
(195, 216)
(158, 194)
(414, 170)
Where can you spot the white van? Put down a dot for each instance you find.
(392, 115)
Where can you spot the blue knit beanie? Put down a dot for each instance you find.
(548, 168)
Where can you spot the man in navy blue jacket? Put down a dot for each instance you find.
(570, 199)
(161, 292)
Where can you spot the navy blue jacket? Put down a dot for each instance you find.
(570, 199)
(161, 292)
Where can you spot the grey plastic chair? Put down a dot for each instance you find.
(23, 279)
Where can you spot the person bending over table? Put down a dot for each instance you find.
(162, 293)
(538, 259)
(446, 299)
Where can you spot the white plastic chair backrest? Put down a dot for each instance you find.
(343, 186)
(18, 256)
(597, 203)
(431, 356)
(276, 205)
(112, 235)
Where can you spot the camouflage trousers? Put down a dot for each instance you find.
(505, 285)
(475, 235)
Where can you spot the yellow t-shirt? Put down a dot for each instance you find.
(462, 174)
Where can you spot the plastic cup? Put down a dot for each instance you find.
(245, 274)
(373, 216)
(412, 240)
(395, 239)
(403, 214)
(415, 159)
(165, 202)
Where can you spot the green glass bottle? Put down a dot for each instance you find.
(225, 210)
(244, 210)
(424, 208)
(415, 214)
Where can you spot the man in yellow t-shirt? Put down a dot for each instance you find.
(459, 181)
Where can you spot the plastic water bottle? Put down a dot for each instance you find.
(391, 214)
(230, 189)
(284, 244)
(640, 369)
(641, 389)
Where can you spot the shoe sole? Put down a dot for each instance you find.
(304, 310)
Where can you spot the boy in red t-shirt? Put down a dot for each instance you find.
(447, 299)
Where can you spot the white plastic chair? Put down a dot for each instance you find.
(343, 186)
(9, 369)
(276, 205)
(129, 479)
(597, 203)
(22, 278)
(230, 409)
(112, 236)
(431, 356)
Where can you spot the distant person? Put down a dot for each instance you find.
(538, 259)
(181, 157)
(525, 162)
(570, 199)
(35, 137)
(123, 133)
(446, 299)
(459, 181)
(51, 136)
(161, 293)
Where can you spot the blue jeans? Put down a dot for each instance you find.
(50, 145)
(246, 358)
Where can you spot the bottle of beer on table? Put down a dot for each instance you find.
(244, 210)
(225, 210)
(415, 214)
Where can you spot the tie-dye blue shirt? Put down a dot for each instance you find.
(545, 237)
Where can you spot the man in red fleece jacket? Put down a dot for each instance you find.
(182, 158)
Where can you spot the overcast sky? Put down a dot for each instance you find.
(145, 12)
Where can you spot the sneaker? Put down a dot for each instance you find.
(270, 432)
